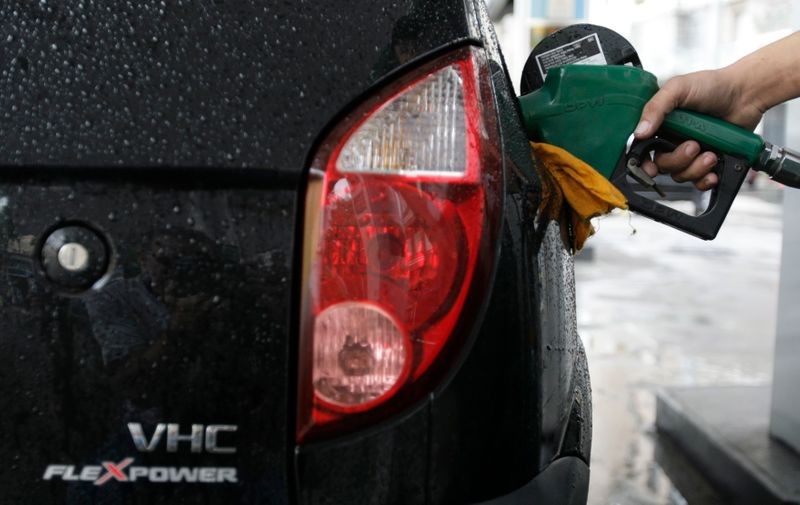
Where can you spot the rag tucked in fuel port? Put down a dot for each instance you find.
(74, 257)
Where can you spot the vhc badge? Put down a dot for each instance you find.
(200, 438)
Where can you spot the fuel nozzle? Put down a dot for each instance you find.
(781, 164)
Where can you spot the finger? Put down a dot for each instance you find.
(709, 181)
(698, 169)
(650, 168)
(662, 103)
(679, 159)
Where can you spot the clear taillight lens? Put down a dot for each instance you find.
(401, 216)
(360, 354)
(419, 132)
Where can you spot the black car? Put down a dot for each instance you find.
(267, 252)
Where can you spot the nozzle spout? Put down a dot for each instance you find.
(781, 164)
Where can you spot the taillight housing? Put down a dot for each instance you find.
(402, 212)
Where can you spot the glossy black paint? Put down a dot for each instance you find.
(564, 481)
(214, 110)
(216, 84)
(189, 327)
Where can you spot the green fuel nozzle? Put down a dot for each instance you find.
(592, 110)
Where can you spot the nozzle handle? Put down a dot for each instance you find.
(714, 134)
(731, 170)
(737, 150)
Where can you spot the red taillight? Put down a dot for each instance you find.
(401, 215)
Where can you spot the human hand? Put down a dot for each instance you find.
(714, 92)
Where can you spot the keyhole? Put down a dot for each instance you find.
(73, 257)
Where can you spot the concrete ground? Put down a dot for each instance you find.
(660, 308)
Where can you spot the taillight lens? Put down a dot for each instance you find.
(401, 217)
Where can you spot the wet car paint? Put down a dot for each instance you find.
(149, 108)
(188, 326)
(181, 85)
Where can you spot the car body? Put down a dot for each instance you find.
(158, 227)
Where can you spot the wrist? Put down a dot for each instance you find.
(769, 76)
(742, 88)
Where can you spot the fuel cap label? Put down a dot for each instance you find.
(585, 51)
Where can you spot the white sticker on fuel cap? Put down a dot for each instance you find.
(585, 51)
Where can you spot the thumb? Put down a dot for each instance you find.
(661, 104)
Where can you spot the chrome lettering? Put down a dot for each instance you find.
(195, 438)
(140, 441)
(212, 444)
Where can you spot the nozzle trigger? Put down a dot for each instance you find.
(705, 225)
(635, 170)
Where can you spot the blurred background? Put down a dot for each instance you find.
(658, 309)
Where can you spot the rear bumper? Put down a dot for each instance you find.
(564, 482)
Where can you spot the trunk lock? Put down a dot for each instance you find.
(74, 257)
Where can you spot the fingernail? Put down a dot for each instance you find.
(642, 128)
(692, 149)
(709, 159)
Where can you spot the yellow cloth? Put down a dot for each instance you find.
(574, 192)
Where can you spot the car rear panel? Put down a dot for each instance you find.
(179, 133)
(211, 84)
(190, 327)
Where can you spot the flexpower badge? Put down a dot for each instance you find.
(200, 439)
(124, 472)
